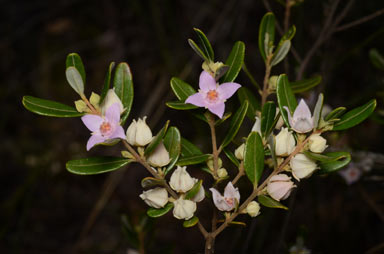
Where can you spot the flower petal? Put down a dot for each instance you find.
(113, 113)
(94, 140)
(226, 90)
(118, 133)
(217, 109)
(92, 122)
(196, 99)
(231, 192)
(302, 111)
(219, 201)
(290, 120)
(206, 82)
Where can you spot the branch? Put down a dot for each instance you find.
(360, 21)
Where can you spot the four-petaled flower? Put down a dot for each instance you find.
(104, 127)
(211, 95)
(230, 199)
(302, 120)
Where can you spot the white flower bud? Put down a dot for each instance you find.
(257, 125)
(239, 152)
(302, 166)
(159, 157)
(280, 186)
(184, 209)
(253, 209)
(285, 142)
(222, 172)
(317, 143)
(139, 133)
(280, 122)
(156, 198)
(180, 180)
(110, 99)
(200, 194)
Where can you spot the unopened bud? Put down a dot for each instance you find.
(181, 181)
(280, 186)
(285, 142)
(183, 209)
(156, 198)
(302, 166)
(253, 209)
(159, 157)
(139, 133)
(317, 143)
(222, 172)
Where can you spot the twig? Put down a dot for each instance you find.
(371, 202)
(375, 249)
(240, 174)
(215, 152)
(251, 78)
(360, 21)
(268, 68)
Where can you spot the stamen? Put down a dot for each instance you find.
(229, 201)
(105, 128)
(212, 95)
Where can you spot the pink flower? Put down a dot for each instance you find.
(230, 199)
(351, 174)
(280, 186)
(302, 120)
(211, 95)
(104, 127)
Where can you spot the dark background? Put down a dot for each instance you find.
(45, 209)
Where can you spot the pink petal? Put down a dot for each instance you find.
(196, 99)
(226, 90)
(92, 122)
(206, 82)
(231, 192)
(219, 201)
(302, 111)
(303, 125)
(119, 133)
(113, 113)
(94, 140)
(217, 109)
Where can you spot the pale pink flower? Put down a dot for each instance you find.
(351, 174)
(104, 127)
(230, 199)
(302, 120)
(280, 186)
(211, 95)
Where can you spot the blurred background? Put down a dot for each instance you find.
(46, 209)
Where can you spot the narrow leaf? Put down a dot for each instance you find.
(198, 50)
(318, 110)
(193, 159)
(266, 34)
(268, 118)
(49, 108)
(281, 52)
(207, 48)
(107, 82)
(377, 59)
(336, 113)
(285, 97)
(288, 35)
(154, 213)
(272, 150)
(172, 142)
(189, 149)
(74, 60)
(181, 89)
(156, 140)
(270, 202)
(234, 61)
(231, 157)
(180, 105)
(355, 116)
(123, 86)
(195, 189)
(305, 84)
(327, 157)
(235, 124)
(225, 117)
(331, 166)
(149, 182)
(254, 104)
(254, 158)
(75, 80)
(96, 165)
(191, 222)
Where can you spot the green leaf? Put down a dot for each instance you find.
(285, 97)
(326, 157)
(181, 89)
(129, 231)
(318, 110)
(225, 117)
(231, 157)
(188, 149)
(96, 165)
(107, 82)
(193, 159)
(235, 62)
(268, 118)
(198, 50)
(343, 158)
(180, 105)
(49, 108)
(235, 124)
(272, 150)
(156, 140)
(191, 222)
(377, 59)
(123, 86)
(270, 202)
(207, 48)
(149, 182)
(195, 189)
(305, 84)
(75, 80)
(288, 35)
(355, 116)
(154, 213)
(254, 104)
(266, 34)
(74, 60)
(281, 52)
(254, 158)
(334, 114)
(172, 142)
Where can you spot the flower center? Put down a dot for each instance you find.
(105, 128)
(212, 95)
(229, 201)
